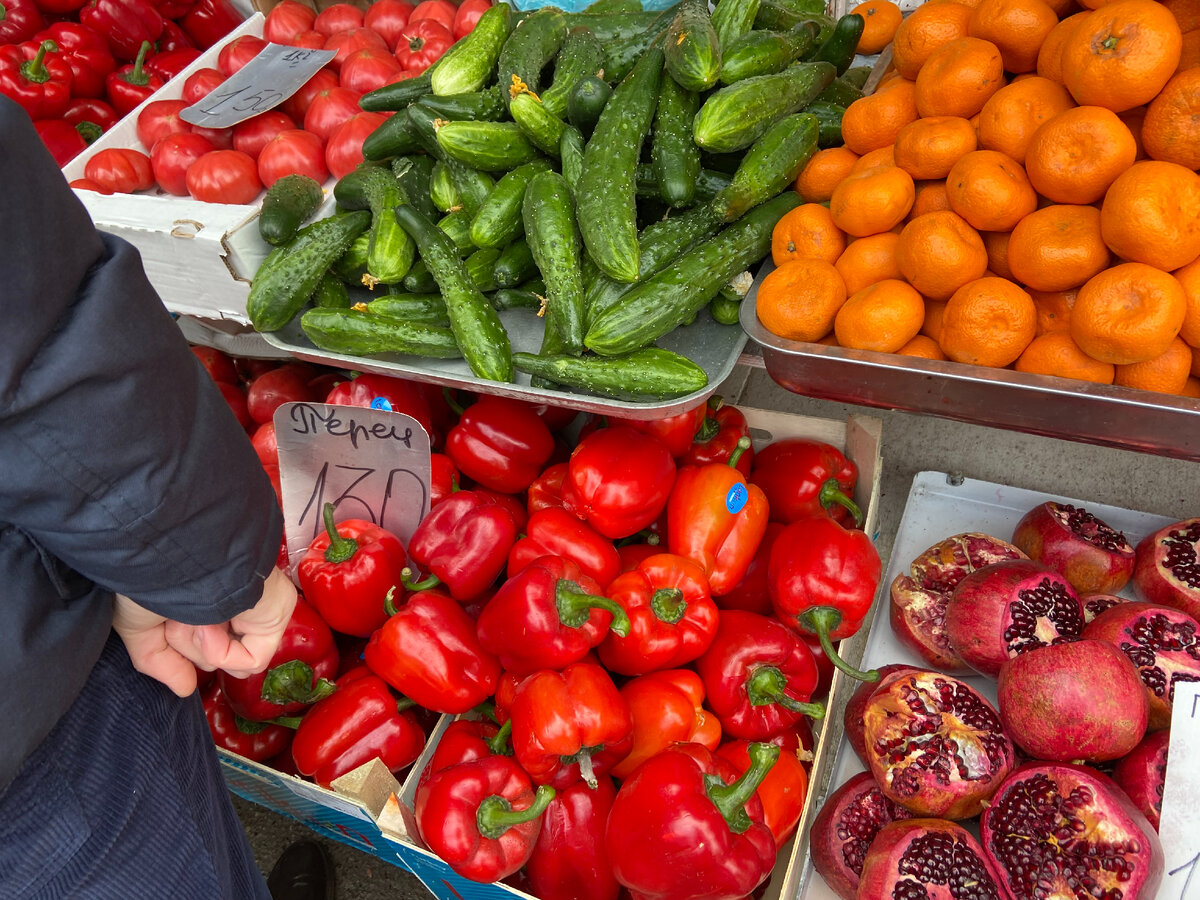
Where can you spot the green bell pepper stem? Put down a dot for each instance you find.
(831, 493)
(340, 548)
(731, 799)
(499, 742)
(821, 621)
(574, 607)
(406, 575)
(766, 685)
(743, 445)
(668, 605)
(496, 815)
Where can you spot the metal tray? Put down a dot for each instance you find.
(1111, 416)
(712, 346)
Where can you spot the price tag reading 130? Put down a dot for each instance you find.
(1179, 827)
(263, 83)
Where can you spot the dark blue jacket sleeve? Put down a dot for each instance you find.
(121, 457)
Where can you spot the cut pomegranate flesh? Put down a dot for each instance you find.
(927, 859)
(1087, 526)
(1168, 567)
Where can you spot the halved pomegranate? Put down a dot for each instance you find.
(935, 745)
(1008, 608)
(852, 715)
(1141, 772)
(917, 608)
(1056, 830)
(928, 859)
(1094, 604)
(842, 831)
(1088, 552)
(1168, 567)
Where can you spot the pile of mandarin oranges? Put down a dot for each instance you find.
(1020, 190)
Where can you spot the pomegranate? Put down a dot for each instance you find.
(1168, 567)
(1070, 702)
(852, 715)
(1008, 608)
(1094, 604)
(918, 599)
(935, 744)
(1089, 553)
(1141, 772)
(1163, 645)
(1056, 830)
(927, 859)
(843, 829)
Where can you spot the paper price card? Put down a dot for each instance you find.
(263, 83)
(1179, 827)
(370, 464)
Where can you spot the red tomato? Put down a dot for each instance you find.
(238, 52)
(86, 184)
(295, 151)
(160, 118)
(173, 155)
(265, 444)
(122, 170)
(280, 385)
(329, 109)
(297, 104)
(311, 40)
(338, 17)
(218, 365)
(346, 42)
(343, 151)
(222, 138)
(467, 15)
(236, 399)
(200, 83)
(367, 69)
(402, 75)
(224, 176)
(424, 43)
(442, 11)
(286, 20)
(252, 134)
(388, 18)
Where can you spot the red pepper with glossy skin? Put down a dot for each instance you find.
(85, 52)
(59, 7)
(166, 64)
(569, 860)
(514, 503)
(759, 676)
(382, 392)
(210, 21)
(129, 85)
(618, 480)
(429, 652)
(667, 708)
(465, 740)
(672, 617)
(676, 431)
(752, 593)
(126, 24)
(685, 826)
(463, 543)
(804, 477)
(34, 76)
(258, 741)
(93, 112)
(500, 443)
(546, 490)
(20, 20)
(173, 38)
(547, 616)
(482, 817)
(718, 436)
(782, 791)
(174, 9)
(569, 725)
(443, 478)
(362, 720)
(555, 531)
(823, 579)
(348, 572)
(61, 138)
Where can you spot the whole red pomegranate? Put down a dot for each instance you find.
(1076, 701)
(934, 744)
(1061, 830)
(917, 607)
(852, 715)
(1163, 645)
(1094, 604)
(928, 859)
(1168, 567)
(1140, 773)
(1009, 608)
(843, 829)
(1088, 552)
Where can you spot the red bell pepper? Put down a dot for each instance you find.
(676, 432)
(20, 20)
(56, 8)
(85, 53)
(569, 860)
(803, 477)
(443, 478)
(569, 725)
(34, 76)
(547, 616)
(823, 579)
(546, 490)
(618, 480)
(555, 531)
(62, 139)
(759, 676)
(92, 112)
(359, 722)
(465, 740)
(506, 690)
(752, 593)
(210, 21)
(672, 617)
(500, 443)
(297, 676)
(463, 543)
(348, 572)
(667, 708)
(718, 436)
(126, 24)
(129, 85)
(685, 826)
(166, 64)
(258, 741)
(383, 392)
(429, 651)
(782, 791)
(514, 503)
(174, 9)
(173, 38)
(481, 817)
(716, 519)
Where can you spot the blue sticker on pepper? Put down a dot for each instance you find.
(381, 403)
(736, 498)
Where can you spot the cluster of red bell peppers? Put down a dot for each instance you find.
(77, 66)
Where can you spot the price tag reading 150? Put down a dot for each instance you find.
(263, 83)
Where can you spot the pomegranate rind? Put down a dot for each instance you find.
(1094, 604)
(1092, 555)
(1025, 821)
(1141, 772)
(852, 715)
(1161, 558)
(1079, 701)
(920, 857)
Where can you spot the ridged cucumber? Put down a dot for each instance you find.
(397, 96)
(390, 251)
(732, 19)
(468, 64)
(543, 128)
(709, 183)
(362, 333)
(581, 55)
(457, 226)
(424, 309)
(288, 204)
(473, 185)
(648, 374)
(530, 46)
(331, 293)
(481, 266)
(485, 105)
(395, 136)
(734, 117)
(442, 191)
(486, 146)
(498, 221)
(549, 216)
(515, 264)
(674, 155)
(414, 174)
(570, 153)
(770, 165)
(691, 48)
(766, 52)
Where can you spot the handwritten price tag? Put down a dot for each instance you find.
(1179, 827)
(263, 83)
(370, 464)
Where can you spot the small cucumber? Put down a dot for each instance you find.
(841, 92)
(457, 226)
(390, 251)
(527, 295)
(472, 185)
(599, 7)
(674, 155)
(331, 293)
(468, 64)
(842, 45)
(708, 183)
(766, 52)
(856, 76)
(415, 174)
(580, 56)
(481, 266)
(542, 127)
(770, 165)
(442, 191)
(732, 19)
(775, 16)
(361, 333)
(829, 123)
(734, 117)
(586, 101)
(530, 46)
(395, 97)
(498, 221)
(549, 216)
(424, 309)
(351, 266)
(395, 136)
(617, 25)
(724, 310)
(487, 146)
(485, 105)
(648, 374)
(570, 153)
(693, 53)
(288, 204)
(419, 279)
(350, 191)
(515, 264)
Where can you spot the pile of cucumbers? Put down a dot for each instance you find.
(615, 171)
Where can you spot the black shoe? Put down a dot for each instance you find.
(303, 871)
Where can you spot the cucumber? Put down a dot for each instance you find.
(473, 185)
(656, 305)
(770, 165)
(766, 52)
(606, 209)
(856, 76)
(424, 309)
(291, 272)
(775, 16)
(419, 279)
(734, 117)
(586, 101)
(804, 7)
(515, 264)
(390, 251)
(580, 56)
(570, 152)
(829, 123)
(331, 293)
(708, 183)
(442, 191)
(351, 266)
(394, 97)
(617, 25)
(543, 128)
(732, 19)
(620, 56)
(415, 174)
(350, 191)
(602, 7)
(527, 295)
(498, 221)
(288, 204)
(724, 310)
(361, 333)
(395, 136)
(476, 325)
(467, 65)
(674, 156)
(842, 44)
(841, 92)
(457, 226)
(693, 54)
(485, 105)
(481, 266)
(486, 146)
(648, 374)
(549, 216)
(530, 46)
